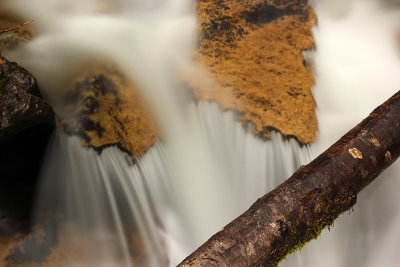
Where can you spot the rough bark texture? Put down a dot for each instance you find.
(295, 212)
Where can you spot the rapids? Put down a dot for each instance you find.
(206, 170)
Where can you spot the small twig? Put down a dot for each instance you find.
(16, 27)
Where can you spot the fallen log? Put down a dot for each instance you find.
(295, 212)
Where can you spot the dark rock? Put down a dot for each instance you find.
(26, 124)
(21, 105)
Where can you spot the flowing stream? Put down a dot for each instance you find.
(110, 211)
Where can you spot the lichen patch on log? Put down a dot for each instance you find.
(388, 156)
(106, 109)
(355, 153)
(253, 50)
(375, 142)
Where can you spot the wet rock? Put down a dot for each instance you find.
(105, 109)
(21, 105)
(253, 50)
(26, 123)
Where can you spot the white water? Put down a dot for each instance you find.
(208, 170)
(101, 202)
(145, 193)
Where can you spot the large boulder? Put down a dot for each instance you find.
(253, 50)
(26, 123)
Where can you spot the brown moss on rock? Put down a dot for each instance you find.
(254, 51)
(106, 109)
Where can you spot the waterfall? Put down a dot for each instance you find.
(102, 201)
(105, 205)
(206, 170)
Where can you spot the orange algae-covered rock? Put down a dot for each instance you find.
(105, 109)
(253, 50)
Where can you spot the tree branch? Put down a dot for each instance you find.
(2, 61)
(295, 212)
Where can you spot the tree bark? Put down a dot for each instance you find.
(295, 212)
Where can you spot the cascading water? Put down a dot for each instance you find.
(102, 204)
(207, 169)
(104, 200)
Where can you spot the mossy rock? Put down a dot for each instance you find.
(253, 50)
(105, 109)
